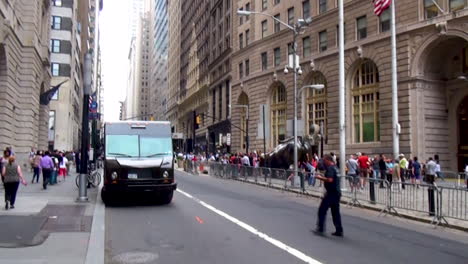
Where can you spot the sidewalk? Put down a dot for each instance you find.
(46, 226)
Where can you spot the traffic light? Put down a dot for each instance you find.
(197, 120)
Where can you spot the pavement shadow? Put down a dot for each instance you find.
(22, 231)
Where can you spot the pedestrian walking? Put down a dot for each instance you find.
(63, 167)
(331, 199)
(36, 166)
(416, 175)
(353, 172)
(375, 167)
(47, 166)
(32, 154)
(364, 165)
(383, 170)
(430, 178)
(11, 176)
(403, 169)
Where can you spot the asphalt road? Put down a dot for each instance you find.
(221, 221)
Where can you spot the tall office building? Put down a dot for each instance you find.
(74, 33)
(65, 47)
(137, 8)
(173, 73)
(219, 129)
(137, 95)
(158, 63)
(194, 73)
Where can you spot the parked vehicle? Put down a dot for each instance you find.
(138, 158)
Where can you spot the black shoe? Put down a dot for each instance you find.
(338, 234)
(318, 232)
(12, 207)
(6, 205)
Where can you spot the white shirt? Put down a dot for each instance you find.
(245, 161)
(64, 162)
(466, 171)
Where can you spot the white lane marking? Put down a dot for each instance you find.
(298, 254)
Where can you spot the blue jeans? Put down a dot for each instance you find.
(36, 174)
(311, 179)
(376, 174)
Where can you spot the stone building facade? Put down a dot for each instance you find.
(217, 117)
(432, 50)
(24, 75)
(194, 73)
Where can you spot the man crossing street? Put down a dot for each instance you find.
(331, 198)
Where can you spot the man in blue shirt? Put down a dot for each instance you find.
(331, 198)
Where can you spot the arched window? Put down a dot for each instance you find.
(365, 103)
(317, 103)
(278, 114)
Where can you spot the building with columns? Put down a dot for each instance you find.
(24, 75)
(432, 49)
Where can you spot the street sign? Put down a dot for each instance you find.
(93, 105)
(228, 139)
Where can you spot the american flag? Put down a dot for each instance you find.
(91, 98)
(380, 6)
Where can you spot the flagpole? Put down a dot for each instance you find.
(395, 125)
(341, 91)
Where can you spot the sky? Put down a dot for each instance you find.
(115, 42)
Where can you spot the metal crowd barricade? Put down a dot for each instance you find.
(453, 203)
(375, 192)
(414, 197)
(441, 202)
(278, 177)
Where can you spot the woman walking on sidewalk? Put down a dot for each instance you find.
(12, 175)
(37, 166)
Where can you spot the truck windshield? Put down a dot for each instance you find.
(137, 146)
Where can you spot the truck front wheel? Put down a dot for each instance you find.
(166, 198)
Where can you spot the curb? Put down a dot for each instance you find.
(96, 245)
(402, 215)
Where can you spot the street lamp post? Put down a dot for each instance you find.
(82, 193)
(246, 125)
(296, 29)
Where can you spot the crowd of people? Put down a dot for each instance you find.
(359, 167)
(54, 167)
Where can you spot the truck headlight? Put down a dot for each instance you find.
(166, 174)
(114, 175)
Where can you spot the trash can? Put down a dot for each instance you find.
(53, 177)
